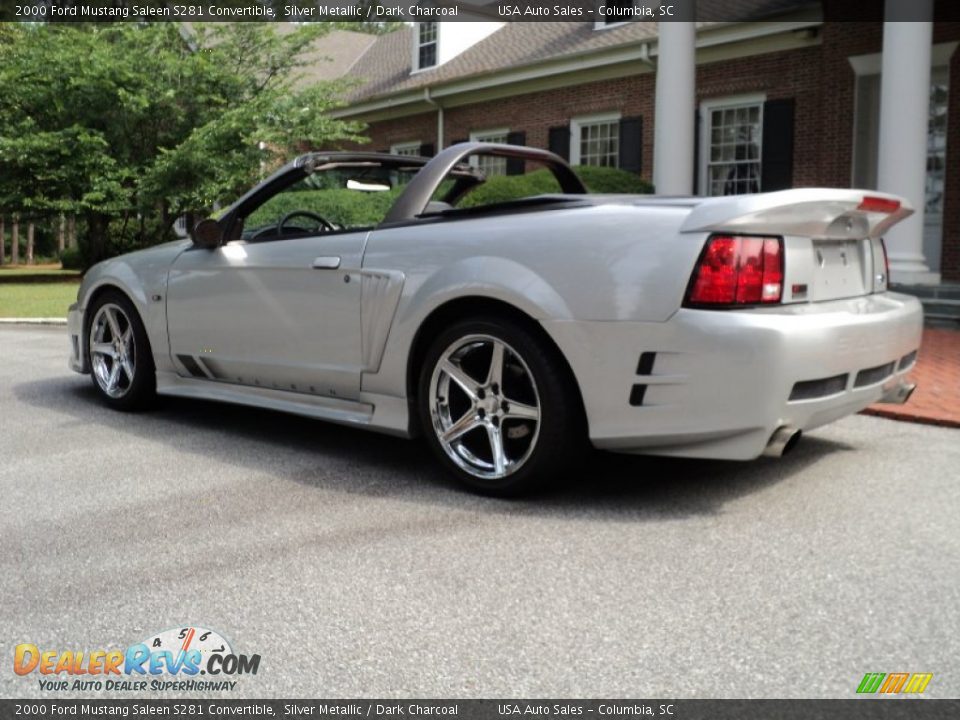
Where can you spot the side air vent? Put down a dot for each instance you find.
(873, 375)
(191, 365)
(636, 395)
(645, 366)
(213, 368)
(813, 389)
(908, 360)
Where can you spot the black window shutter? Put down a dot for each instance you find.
(426, 150)
(631, 144)
(776, 171)
(696, 152)
(559, 141)
(516, 166)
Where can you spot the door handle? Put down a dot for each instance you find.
(329, 262)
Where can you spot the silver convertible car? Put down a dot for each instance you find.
(368, 289)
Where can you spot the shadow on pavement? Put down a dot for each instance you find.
(618, 487)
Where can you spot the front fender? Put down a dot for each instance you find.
(142, 277)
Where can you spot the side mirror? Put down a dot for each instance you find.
(207, 234)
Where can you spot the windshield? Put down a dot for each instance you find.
(333, 199)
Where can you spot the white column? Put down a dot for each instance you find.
(676, 102)
(902, 155)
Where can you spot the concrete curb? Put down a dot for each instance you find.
(33, 321)
(906, 416)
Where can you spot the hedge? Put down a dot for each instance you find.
(344, 208)
(71, 259)
(501, 188)
(612, 180)
(351, 208)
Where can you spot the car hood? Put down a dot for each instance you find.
(147, 256)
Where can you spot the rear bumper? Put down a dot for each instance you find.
(722, 382)
(78, 354)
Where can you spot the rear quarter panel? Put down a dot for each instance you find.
(606, 263)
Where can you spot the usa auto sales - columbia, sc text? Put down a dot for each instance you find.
(632, 12)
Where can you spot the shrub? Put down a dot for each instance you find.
(502, 188)
(344, 208)
(612, 180)
(71, 259)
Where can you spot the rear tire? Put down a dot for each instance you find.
(499, 408)
(119, 354)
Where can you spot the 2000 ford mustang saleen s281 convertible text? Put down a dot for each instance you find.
(510, 333)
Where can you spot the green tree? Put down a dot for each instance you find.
(130, 125)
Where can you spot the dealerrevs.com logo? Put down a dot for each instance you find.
(170, 660)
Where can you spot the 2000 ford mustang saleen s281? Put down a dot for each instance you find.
(510, 333)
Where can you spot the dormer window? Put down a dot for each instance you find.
(426, 45)
(616, 12)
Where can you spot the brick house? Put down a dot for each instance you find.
(789, 101)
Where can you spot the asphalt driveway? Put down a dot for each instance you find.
(353, 568)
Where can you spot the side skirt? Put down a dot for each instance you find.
(380, 413)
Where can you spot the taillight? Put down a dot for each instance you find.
(738, 270)
(871, 203)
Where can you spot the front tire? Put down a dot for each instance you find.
(499, 408)
(119, 355)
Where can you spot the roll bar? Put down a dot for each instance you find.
(414, 198)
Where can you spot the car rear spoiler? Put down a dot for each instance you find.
(810, 212)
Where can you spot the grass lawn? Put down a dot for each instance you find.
(47, 269)
(31, 300)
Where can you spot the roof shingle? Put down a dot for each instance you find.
(385, 68)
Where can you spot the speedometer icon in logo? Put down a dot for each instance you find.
(186, 639)
(189, 650)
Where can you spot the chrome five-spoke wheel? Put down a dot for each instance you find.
(484, 406)
(118, 353)
(113, 350)
(498, 405)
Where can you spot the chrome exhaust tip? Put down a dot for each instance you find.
(900, 394)
(782, 441)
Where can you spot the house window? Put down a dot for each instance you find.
(936, 146)
(596, 140)
(490, 165)
(734, 138)
(406, 148)
(615, 12)
(426, 45)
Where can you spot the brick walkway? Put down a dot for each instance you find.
(936, 400)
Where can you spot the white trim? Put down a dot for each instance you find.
(475, 135)
(602, 25)
(577, 124)
(704, 141)
(414, 145)
(728, 100)
(940, 55)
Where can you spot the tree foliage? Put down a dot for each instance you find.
(130, 125)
